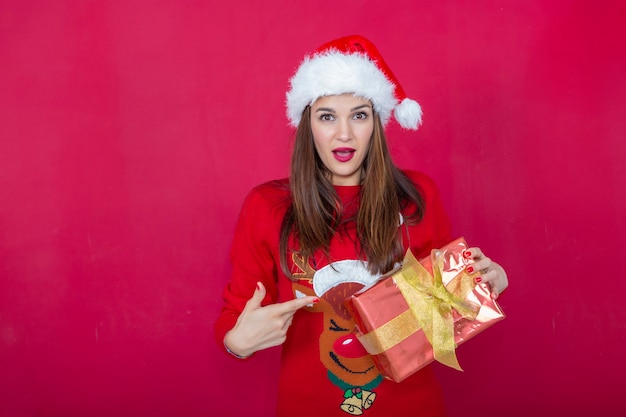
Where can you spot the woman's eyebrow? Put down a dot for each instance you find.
(330, 110)
(360, 107)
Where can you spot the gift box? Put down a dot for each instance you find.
(422, 311)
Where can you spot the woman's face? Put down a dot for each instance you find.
(342, 127)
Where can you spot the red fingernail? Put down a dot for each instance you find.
(316, 300)
(479, 279)
(258, 286)
(494, 295)
(467, 254)
(470, 269)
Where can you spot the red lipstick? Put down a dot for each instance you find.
(343, 154)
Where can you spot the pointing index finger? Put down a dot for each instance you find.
(291, 306)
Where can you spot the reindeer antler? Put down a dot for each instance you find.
(306, 271)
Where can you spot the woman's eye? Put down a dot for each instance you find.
(327, 117)
(360, 115)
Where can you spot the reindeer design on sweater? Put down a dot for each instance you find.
(349, 366)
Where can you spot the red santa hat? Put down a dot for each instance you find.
(351, 64)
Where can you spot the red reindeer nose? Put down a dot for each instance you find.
(349, 346)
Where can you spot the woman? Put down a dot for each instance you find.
(345, 216)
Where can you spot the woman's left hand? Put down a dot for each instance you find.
(486, 271)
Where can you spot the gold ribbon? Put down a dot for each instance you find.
(430, 309)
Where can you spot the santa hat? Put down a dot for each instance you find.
(351, 64)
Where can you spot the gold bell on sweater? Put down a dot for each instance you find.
(368, 399)
(352, 405)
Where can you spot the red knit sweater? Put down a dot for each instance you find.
(323, 371)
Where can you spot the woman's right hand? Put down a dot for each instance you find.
(261, 327)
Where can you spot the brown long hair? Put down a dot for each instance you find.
(315, 211)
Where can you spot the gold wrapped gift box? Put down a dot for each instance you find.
(422, 311)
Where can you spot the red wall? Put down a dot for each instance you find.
(130, 132)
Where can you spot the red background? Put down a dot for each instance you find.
(131, 131)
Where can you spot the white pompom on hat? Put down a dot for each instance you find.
(351, 64)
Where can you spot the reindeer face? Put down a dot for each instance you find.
(340, 351)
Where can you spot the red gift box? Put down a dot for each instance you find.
(422, 311)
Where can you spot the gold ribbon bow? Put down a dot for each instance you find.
(430, 309)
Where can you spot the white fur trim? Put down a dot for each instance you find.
(408, 114)
(332, 73)
(339, 272)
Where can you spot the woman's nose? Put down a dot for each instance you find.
(344, 130)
